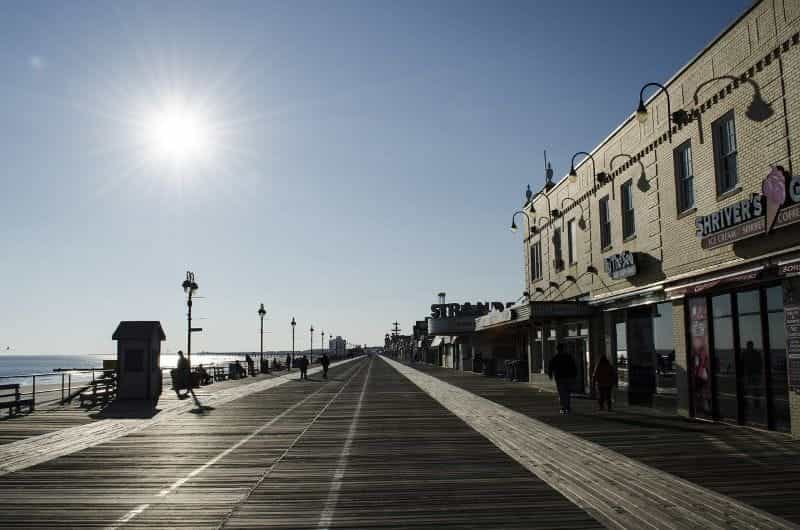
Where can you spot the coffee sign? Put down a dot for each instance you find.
(621, 265)
(776, 206)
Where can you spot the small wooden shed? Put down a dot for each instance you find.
(139, 359)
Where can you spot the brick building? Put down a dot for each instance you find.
(671, 248)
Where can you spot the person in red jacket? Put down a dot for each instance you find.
(604, 379)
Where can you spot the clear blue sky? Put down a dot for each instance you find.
(366, 155)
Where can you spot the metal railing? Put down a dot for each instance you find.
(60, 384)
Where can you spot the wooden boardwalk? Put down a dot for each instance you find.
(759, 468)
(365, 449)
(52, 417)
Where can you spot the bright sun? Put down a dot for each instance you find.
(178, 133)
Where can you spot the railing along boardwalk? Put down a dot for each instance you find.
(758, 468)
(365, 449)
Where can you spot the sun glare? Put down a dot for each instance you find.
(178, 133)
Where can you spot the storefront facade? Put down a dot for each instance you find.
(680, 234)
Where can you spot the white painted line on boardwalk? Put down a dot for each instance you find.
(181, 481)
(618, 491)
(35, 450)
(278, 460)
(333, 494)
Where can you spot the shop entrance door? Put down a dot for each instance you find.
(577, 348)
(748, 362)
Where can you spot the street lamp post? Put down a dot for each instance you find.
(311, 354)
(189, 287)
(322, 343)
(261, 313)
(292, 361)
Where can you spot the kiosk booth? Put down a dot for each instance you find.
(139, 359)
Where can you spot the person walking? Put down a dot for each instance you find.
(288, 362)
(250, 365)
(304, 367)
(604, 379)
(325, 362)
(562, 369)
(183, 376)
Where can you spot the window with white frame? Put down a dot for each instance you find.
(684, 176)
(725, 163)
(558, 261)
(605, 223)
(536, 261)
(628, 217)
(572, 241)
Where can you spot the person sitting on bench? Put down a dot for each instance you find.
(204, 377)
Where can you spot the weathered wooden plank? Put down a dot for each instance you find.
(757, 468)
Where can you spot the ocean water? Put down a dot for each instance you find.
(18, 368)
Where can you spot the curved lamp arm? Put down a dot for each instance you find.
(641, 110)
(573, 175)
(514, 223)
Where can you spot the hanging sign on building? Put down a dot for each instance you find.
(621, 265)
(777, 205)
(465, 309)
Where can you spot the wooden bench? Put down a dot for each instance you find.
(101, 390)
(10, 399)
(219, 373)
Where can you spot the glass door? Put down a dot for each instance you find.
(723, 366)
(751, 357)
(778, 377)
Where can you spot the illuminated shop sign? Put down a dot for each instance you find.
(621, 265)
(777, 205)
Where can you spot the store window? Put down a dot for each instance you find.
(748, 362)
(621, 351)
(537, 357)
(628, 216)
(605, 224)
(684, 176)
(779, 379)
(723, 366)
(664, 348)
(725, 163)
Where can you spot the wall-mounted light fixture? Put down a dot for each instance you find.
(641, 110)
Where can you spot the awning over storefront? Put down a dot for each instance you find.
(712, 281)
(536, 310)
(571, 309)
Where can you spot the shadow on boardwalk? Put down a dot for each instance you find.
(760, 468)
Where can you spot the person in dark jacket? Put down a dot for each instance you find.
(604, 379)
(562, 369)
(325, 362)
(304, 367)
(251, 369)
(288, 362)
